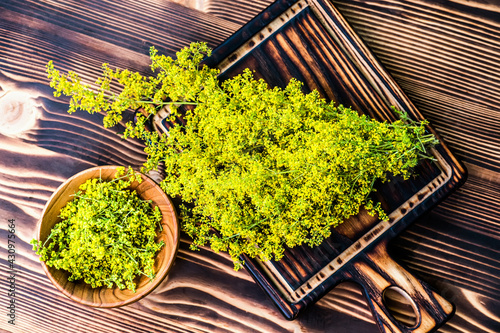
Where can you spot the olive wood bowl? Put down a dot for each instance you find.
(104, 297)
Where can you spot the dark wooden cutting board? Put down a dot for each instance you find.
(310, 41)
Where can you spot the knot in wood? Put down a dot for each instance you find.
(19, 113)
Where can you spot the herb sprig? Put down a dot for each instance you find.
(265, 168)
(106, 235)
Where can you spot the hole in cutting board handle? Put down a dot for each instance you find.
(400, 305)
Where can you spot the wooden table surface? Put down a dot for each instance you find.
(444, 54)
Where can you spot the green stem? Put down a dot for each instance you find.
(355, 181)
(50, 236)
(130, 256)
(114, 97)
(246, 229)
(151, 276)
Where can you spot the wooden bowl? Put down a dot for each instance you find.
(104, 297)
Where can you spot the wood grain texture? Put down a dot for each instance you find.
(237, 11)
(379, 274)
(443, 53)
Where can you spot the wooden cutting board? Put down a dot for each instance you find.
(310, 41)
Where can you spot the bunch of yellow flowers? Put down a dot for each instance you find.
(106, 235)
(259, 169)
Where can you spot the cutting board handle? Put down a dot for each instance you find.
(376, 272)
